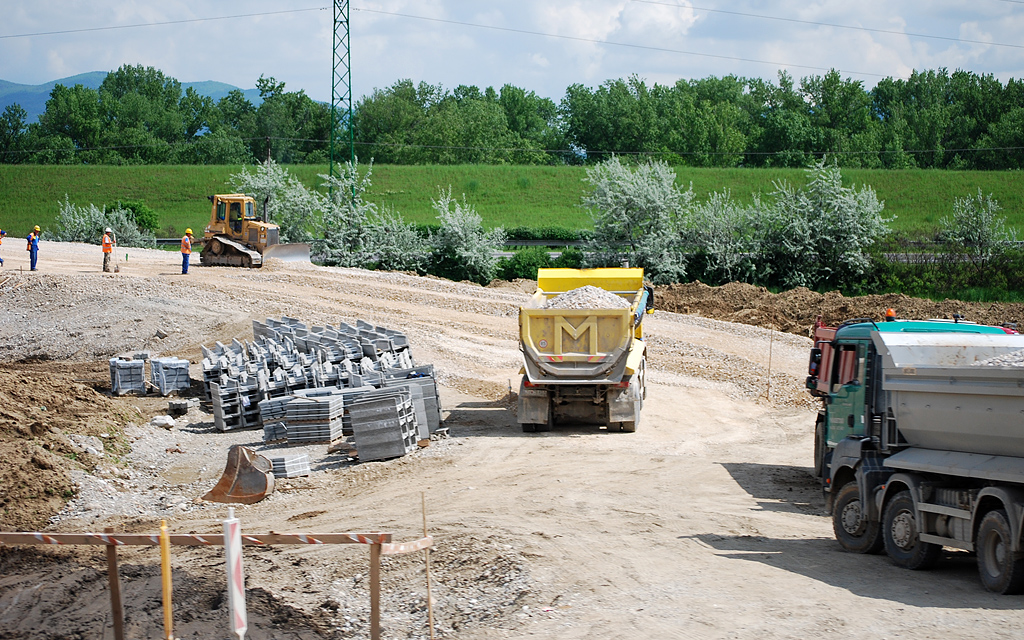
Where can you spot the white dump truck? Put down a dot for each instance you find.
(931, 454)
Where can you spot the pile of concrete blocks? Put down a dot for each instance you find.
(314, 417)
(307, 379)
(384, 424)
(290, 466)
(127, 376)
(169, 375)
(236, 403)
(274, 432)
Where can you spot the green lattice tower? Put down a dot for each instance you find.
(341, 89)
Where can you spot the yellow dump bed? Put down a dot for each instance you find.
(583, 345)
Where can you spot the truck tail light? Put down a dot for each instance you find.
(528, 385)
(623, 384)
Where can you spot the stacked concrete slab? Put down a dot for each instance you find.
(309, 378)
(169, 375)
(314, 419)
(384, 425)
(290, 466)
(127, 376)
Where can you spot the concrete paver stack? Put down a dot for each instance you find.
(305, 384)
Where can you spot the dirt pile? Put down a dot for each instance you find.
(50, 423)
(796, 310)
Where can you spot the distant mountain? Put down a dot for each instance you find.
(32, 98)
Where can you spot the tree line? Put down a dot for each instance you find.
(933, 119)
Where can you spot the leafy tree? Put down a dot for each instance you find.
(13, 134)
(461, 248)
(637, 215)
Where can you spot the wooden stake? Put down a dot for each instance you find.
(426, 559)
(375, 591)
(165, 570)
(114, 578)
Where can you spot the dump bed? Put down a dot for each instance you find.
(582, 346)
(942, 399)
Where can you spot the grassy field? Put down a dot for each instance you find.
(509, 196)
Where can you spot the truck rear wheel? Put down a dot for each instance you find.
(854, 532)
(1001, 570)
(901, 533)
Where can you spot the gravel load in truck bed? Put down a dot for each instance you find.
(587, 297)
(1014, 359)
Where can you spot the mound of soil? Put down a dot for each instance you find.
(42, 413)
(795, 311)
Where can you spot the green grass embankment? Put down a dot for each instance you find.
(508, 196)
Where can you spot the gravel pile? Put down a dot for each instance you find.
(1014, 359)
(587, 297)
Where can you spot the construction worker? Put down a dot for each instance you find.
(3, 234)
(33, 247)
(186, 250)
(109, 240)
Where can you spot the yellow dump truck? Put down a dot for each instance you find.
(583, 350)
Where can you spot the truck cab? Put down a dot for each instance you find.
(844, 373)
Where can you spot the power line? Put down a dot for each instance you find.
(615, 44)
(159, 24)
(829, 24)
(589, 152)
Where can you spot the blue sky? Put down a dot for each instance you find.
(392, 39)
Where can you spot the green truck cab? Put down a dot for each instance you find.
(843, 374)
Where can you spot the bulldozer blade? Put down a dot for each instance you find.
(248, 478)
(287, 252)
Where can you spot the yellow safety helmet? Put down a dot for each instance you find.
(188, 232)
(37, 228)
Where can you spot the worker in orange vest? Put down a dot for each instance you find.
(186, 250)
(3, 234)
(109, 240)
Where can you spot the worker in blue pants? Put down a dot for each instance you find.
(33, 247)
(186, 250)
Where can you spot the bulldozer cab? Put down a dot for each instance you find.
(231, 210)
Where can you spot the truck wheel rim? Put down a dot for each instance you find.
(903, 530)
(995, 554)
(851, 518)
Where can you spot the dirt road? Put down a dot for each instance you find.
(705, 523)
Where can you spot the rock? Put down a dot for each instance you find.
(167, 422)
(161, 334)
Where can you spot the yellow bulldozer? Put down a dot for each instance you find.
(238, 237)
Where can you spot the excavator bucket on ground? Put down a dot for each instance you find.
(248, 478)
(287, 252)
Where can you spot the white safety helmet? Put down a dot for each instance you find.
(109, 230)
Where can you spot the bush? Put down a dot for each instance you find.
(86, 224)
(396, 245)
(818, 237)
(144, 216)
(461, 248)
(636, 215)
(571, 258)
(524, 263)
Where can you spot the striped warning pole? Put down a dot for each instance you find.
(236, 579)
